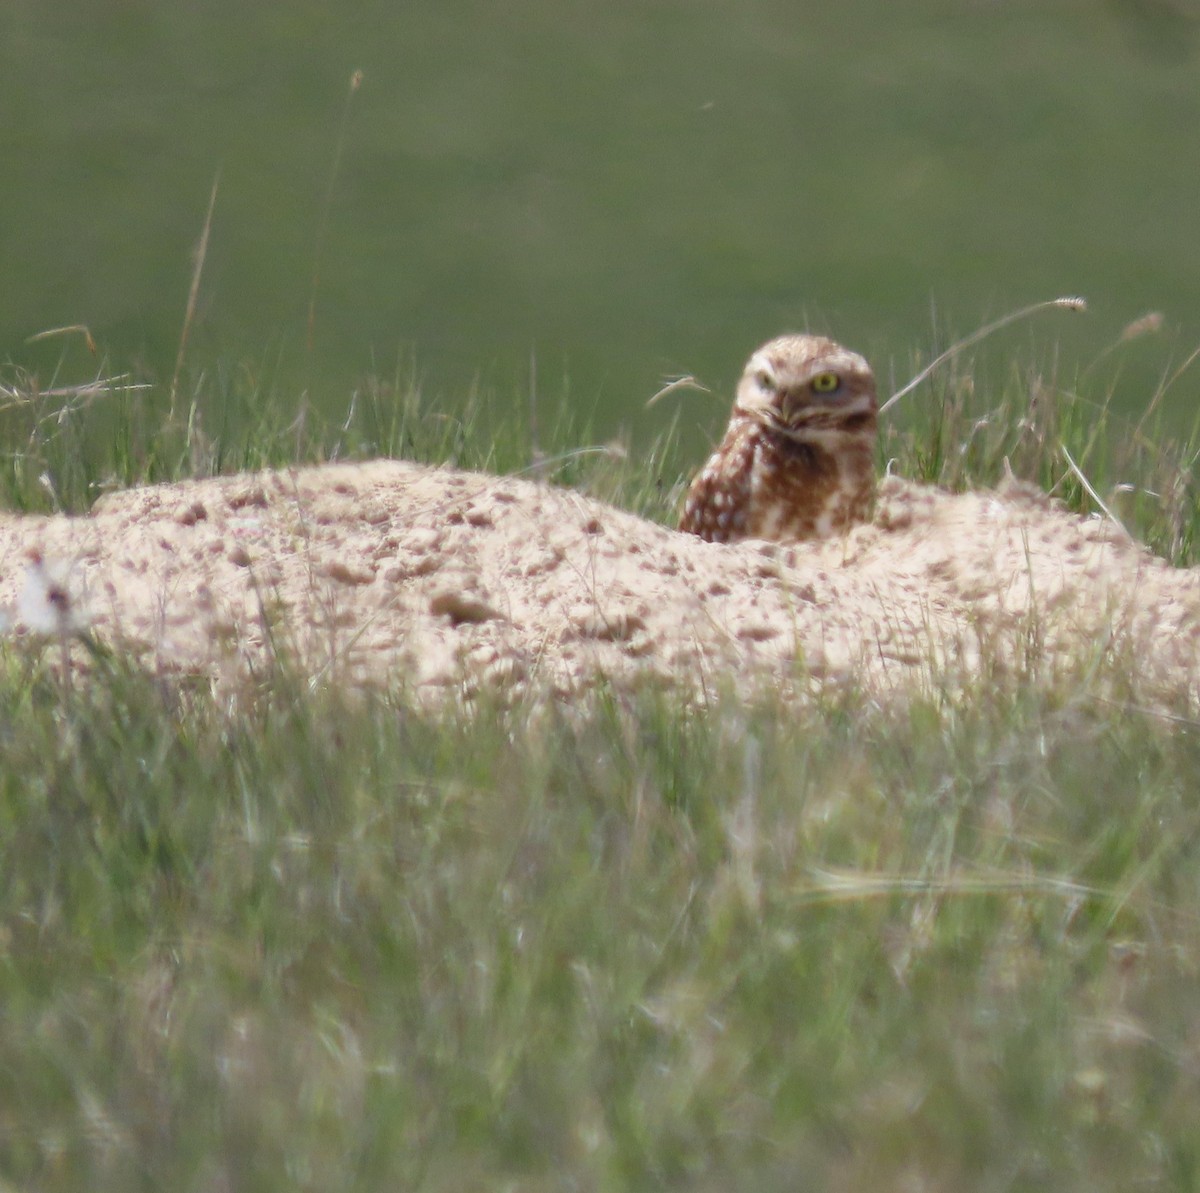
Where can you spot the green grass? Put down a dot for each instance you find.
(304, 938)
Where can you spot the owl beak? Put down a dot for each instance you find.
(801, 398)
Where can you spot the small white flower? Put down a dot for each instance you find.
(47, 605)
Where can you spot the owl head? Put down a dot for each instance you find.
(799, 385)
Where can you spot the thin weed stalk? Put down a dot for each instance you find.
(356, 79)
(193, 293)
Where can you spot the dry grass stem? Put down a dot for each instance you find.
(71, 330)
(840, 886)
(1070, 303)
(678, 383)
(193, 292)
(356, 79)
(1090, 490)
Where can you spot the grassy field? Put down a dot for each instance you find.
(651, 193)
(306, 938)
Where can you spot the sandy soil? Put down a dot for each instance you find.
(444, 582)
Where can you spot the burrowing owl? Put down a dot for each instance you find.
(797, 459)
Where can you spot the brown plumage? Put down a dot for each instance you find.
(797, 461)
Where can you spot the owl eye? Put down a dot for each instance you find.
(764, 380)
(826, 383)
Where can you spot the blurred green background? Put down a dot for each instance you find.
(623, 190)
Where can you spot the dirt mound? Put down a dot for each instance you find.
(443, 582)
